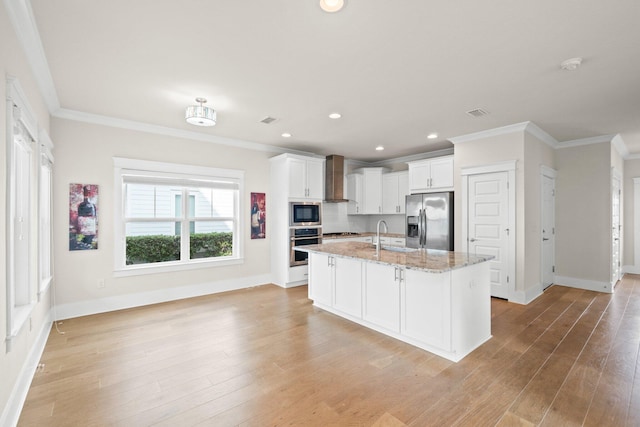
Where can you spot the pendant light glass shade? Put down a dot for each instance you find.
(200, 115)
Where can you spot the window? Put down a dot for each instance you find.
(176, 216)
(21, 222)
(45, 190)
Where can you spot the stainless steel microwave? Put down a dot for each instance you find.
(304, 214)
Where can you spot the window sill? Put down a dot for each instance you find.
(139, 270)
(19, 317)
(45, 284)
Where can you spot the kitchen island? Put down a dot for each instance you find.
(436, 300)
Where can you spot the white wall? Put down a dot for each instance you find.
(484, 151)
(15, 366)
(583, 215)
(536, 154)
(84, 155)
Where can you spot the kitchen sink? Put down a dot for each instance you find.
(402, 249)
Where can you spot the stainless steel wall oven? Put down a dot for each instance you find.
(301, 237)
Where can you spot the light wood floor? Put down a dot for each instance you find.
(266, 357)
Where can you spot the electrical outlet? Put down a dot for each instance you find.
(101, 283)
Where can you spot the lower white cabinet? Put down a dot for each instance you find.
(426, 307)
(348, 286)
(382, 296)
(446, 313)
(321, 278)
(336, 282)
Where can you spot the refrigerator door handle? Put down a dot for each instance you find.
(423, 232)
(420, 228)
(424, 228)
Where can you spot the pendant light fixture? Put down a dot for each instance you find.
(331, 5)
(200, 115)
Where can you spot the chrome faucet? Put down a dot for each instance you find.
(378, 243)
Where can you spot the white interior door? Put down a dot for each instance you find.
(615, 230)
(548, 230)
(488, 225)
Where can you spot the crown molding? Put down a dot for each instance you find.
(80, 116)
(413, 157)
(543, 136)
(586, 141)
(528, 127)
(518, 127)
(24, 24)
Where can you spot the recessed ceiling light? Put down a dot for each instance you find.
(432, 135)
(379, 148)
(331, 5)
(571, 64)
(335, 115)
(286, 135)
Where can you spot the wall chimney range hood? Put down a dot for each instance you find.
(334, 179)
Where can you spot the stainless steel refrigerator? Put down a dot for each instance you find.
(429, 221)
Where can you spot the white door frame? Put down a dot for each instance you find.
(635, 269)
(616, 176)
(509, 167)
(547, 172)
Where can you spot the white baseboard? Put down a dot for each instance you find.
(589, 285)
(120, 302)
(11, 412)
(631, 269)
(526, 296)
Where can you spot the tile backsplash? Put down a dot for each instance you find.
(335, 219)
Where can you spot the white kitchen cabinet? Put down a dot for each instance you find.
(395, 241)
(347, 287)
(336, 282)
(447, 313)
(372, 190)
(390, 241)
(321, 275)
(382, 296)
(395, 187)
(354, 194)
(426, 307)
(306, 179)
(292, 178)
(431, 175)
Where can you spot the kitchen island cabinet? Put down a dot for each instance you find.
(382, 296)
(436, 300)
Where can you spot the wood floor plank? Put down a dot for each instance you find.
(265, 356)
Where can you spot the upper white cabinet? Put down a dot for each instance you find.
(354, 194)
(364, 189)
(431, 175)
(372, 189)
(306, 177)
(395, 187)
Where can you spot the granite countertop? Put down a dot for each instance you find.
(429, 260)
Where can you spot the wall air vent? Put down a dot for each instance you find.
(477, 112)
(268, 120)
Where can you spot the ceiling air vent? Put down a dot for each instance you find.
(268, 120)
(478, 112)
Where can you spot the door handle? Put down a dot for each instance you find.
(544, 239)
(472, 240)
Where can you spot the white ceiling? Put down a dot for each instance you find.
(395, 70)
